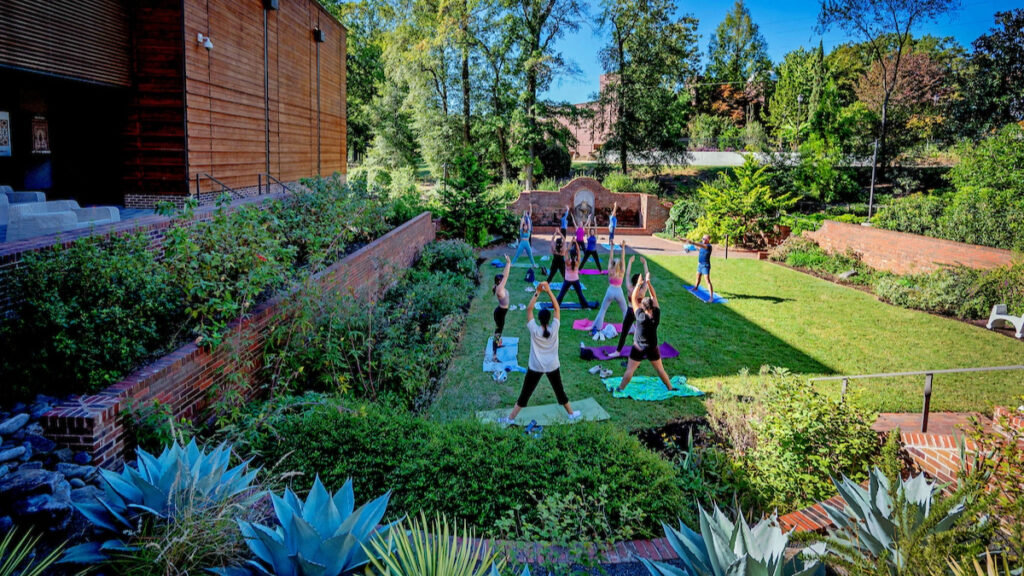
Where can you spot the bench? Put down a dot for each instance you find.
(41, 218)
(8, 197)
(999, 315)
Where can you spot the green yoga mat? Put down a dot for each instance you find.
(650, 388)
(548, 414)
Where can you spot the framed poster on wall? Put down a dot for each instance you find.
(40, 135)
(5, 134)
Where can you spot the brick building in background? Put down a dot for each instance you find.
(590, 133)
(136, 101)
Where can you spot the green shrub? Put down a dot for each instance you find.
(993, 163)
(741, 206)
(800, 252)
(470, 470)
(548, 184)
(85, 315)
(985, 216)
(706, 131)
(618, 182)
(683, 217)
(469, 212)
(957, 291)
(803, 440)
(556, 161)
(915, 214)
(451, 256)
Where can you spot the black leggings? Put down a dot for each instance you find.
(530, 384)
(579, 292)
(588, 254)
(499, 325)
(627, 323)
(557, 265)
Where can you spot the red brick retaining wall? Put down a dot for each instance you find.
(643, 213)
(183, 379)
(904, 253)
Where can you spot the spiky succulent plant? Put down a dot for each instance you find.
(727, 548)
(160, 486)
(323, 536)
(875, 527)
(433, 548)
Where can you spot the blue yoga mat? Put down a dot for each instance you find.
(556, 286)
(703, 295)
(650, 388)
(507, 357)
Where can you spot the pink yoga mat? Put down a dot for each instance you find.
(592, 272)
(585, 324)
(602, 352)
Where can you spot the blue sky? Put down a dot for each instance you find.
(785, 24)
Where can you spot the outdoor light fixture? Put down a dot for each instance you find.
(205, 41)
(319, 35)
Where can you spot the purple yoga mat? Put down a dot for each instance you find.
(602, 352)
(585, 324)
(592, 272)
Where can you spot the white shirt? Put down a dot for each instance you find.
(543, 351)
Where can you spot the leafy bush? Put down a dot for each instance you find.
(949, 291)
(741, 206)
(683, 217)
(994, 163)
(706, 130)
(451, 256)
(985, 216)
(471, 470)
(556, 161)
(800, 252)
(85, 315)
(999, 458)
(469, 212)
(803, 439)
(618, 182)
(822, 173)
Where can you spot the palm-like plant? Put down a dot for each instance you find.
(727, 548)
(432, 549)
(323, 536)
(879, 529)
(180, 477)
(17, 555)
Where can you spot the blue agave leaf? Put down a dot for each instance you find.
(125, 490)
(718, 545)
(283, 510)
(88, 554)
(311, 567)
(256, 545)
(97, 514)
(300, 537)
(292, 500)
(337, 554)
(119, 515)
(345, 499)
(280, 559)
(663, 569)
(769, 539)
(320, 511)
(690, 548)
(148, 467)
(362, 522)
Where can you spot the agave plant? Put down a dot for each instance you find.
(993, 567)
(323, 536)
(17, 555)
(432, 550)
(875, 528)
(160, 486)
(726, 548)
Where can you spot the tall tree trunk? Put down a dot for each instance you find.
(466, 136)
(531, 116)
(620, 116)
(879, 146)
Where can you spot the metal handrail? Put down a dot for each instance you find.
(928, 377)
(270, 178)
(223, 187)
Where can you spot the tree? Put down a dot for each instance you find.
(495, 41)
(921, 85)
(468, 210)
(992, 82)
(539, 23)
(875, 22)
(796, 93)
(649, 54)
(737, 55)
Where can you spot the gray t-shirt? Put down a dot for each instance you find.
(543, 351)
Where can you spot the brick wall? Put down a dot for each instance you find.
(11, 253)
(183, 379)
(904, 253)
(643, 213)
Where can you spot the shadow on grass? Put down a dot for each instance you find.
(737, 296)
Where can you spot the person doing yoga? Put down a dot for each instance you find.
(524, 243)
(501, 293)
(572, 279)
(704, 265)
(564, 228)
(528, 220)
(581, 233)
(616, 272)
(591, 247)
(645, 341)
(543, 356)
(558, 253)
(627, 321)
(613, 223)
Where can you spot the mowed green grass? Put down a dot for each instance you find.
(775, 316)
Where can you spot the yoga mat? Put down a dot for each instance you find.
(607, 247)
(556, 286)
(566, 305)
(586, 324)
(602, 353)
(501, 264)
(650, 388)
(548, 414)
(592, 272)
(506, 358)
(703, 295)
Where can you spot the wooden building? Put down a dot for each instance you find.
(136, 101)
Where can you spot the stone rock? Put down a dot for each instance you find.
(4, 470)
(76, 483)
(6, 524)
(35, 465)
(81, 458)
(26, 483)
(848, 274)
(40, 444)
(27, 455)
(75, 471)
(64, 455)
(13, 424)
(38, 409)
(52, 513)
(86, 494)
(11, 453)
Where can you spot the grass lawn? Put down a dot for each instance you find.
(775, 316)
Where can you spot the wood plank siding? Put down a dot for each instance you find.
(78, 39)
(227, 114)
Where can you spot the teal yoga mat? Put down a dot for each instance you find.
(556, 286)
(548, 414)
(650, 388)
(507, 357)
